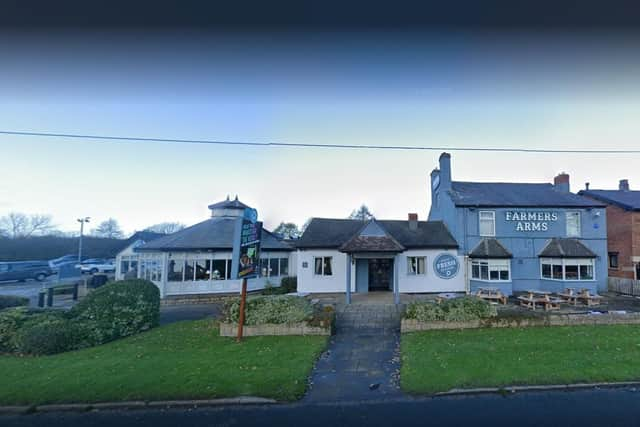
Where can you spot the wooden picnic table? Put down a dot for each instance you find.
(492, 294)
(543, 298)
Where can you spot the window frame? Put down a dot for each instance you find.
(564, 262)
(424, 265)
(610, 256)
(492, 265)
(322, 265)
(578, 215)
(493, 220)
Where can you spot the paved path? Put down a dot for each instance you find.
(178, 313)
(362, 361)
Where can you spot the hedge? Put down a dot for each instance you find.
(7, 301)
(270, 309)
(454, 310)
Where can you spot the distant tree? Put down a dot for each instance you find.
(288, 230)
(109, 229)
(17, 224)
(362, 213)
(166, 227)
(305, 225)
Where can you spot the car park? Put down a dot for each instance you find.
(24, 270)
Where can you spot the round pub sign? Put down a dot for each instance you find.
(446, 266)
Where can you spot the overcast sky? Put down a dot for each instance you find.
(451, 89)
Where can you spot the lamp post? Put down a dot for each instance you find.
(81, 221)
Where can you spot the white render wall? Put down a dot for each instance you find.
(430, 282)
(337, 282)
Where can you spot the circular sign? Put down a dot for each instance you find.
(446, 266)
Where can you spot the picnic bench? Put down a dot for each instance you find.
(571, 296)
(542, 298)
(493, 295)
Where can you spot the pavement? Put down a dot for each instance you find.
(178, 313)
(604, 407)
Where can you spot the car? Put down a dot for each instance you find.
(97, 265)
(57, 262)
(23, 270)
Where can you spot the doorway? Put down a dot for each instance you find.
(380, 274)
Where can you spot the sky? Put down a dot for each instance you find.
(441, 88)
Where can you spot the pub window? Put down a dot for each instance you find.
(491, 270)
(416, 265)
(284, 266)
(613, 260)
(219, 269)
(175, 271)
(487, 223)
(274, 270)
(573, 224)
(323, 266)
(203, 269)
(574, 269)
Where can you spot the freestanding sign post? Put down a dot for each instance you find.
(246, 256)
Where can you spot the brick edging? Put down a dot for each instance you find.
(302, 328)
(135, 404)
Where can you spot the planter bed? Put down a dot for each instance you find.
(302, 328)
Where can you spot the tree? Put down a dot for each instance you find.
(109, 229)
(166, 227)
(288, 230)
(362, 213)
(19, 225)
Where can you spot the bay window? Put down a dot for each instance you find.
(567, 268)
(491, 270)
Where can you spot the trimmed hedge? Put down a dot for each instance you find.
(454, 310)
(8, 301)
(290, 284)
(270, 309)
(118, 309)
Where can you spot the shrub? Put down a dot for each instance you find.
(290, 284)
(8, 301)
(269, 289)
(454, 310)
(117, 310)
(49, 337)
(13, 320)
(270, 309)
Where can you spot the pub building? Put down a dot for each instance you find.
(523, 236)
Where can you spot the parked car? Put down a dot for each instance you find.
(23, 270)
(97, 265)
(56, 263)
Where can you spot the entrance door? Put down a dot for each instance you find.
(380, 274)
(637, 266)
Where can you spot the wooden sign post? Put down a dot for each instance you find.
(243, 300)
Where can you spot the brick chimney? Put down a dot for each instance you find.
(624, 185)
(413, 221)
(561, 182)
(445, 171)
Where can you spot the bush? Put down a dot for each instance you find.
(269, 289)
(454, 310)
(270, 309)
(49, 337)
(14, 320)
(8, 301)
(117, 310)
(290, 284)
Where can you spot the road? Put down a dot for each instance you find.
(607, 407)
(28, 289)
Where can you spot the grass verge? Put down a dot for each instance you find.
(186, 360)
(437, 361)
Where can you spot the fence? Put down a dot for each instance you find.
(624, 286)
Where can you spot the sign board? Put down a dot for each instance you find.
(531, 220)
(246, 246)
(446, 266)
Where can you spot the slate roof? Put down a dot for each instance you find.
(626, 199)
(364, 241)
(566, 248)
(490, 248)
(333, 233)
(228, 204)
(507, 194)
(214, 233)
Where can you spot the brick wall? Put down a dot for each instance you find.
(623, 233)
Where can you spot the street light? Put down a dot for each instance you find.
(81, 221)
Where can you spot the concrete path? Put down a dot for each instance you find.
(178, 313)
(362, 361)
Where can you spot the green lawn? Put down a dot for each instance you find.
(179, 361)
(441, 360)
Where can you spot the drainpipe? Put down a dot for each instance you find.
(396, 288)
(348, 278)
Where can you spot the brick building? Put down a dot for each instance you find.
(623, 228)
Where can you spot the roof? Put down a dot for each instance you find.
(626, 199)
(229, 204)
(490, 248)
(372, 237)
(566, 248)
(333, 233)
(507, 194)
(213, 233)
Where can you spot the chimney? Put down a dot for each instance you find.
(624, 185)
(561, 183)
(586, 186)
(413, 221)
(445, 171)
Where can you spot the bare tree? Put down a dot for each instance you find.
(288, 230)
(166, 227)
(109, 229)
(17, 224)
(362, 213)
